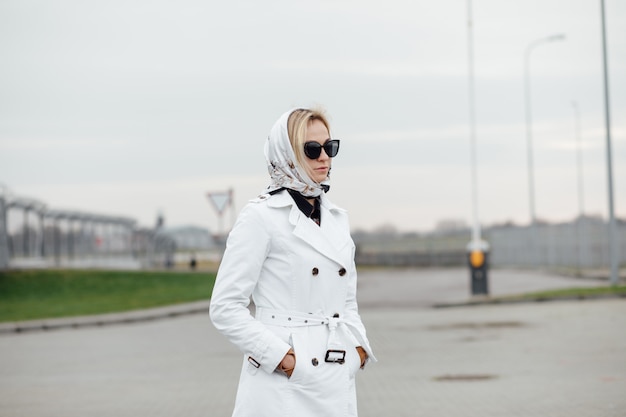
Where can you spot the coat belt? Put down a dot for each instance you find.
(299, 319)
(291, 318)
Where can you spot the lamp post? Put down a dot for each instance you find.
(613, 252)
(529, 136)
(477, 249)
(579, 159)
(582, 241)
(472, 120)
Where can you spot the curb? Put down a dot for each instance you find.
(106, 319)
(202, 307)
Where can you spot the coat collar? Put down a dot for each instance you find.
(329, 239)
(283, 199)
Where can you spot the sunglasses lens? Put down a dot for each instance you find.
(331, 148)
(312, 150)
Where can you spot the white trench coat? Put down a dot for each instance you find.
(302, 279)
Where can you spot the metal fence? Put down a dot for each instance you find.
(582, 244)
(32, 235)
(578, 245)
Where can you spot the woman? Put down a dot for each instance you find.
(291, 251)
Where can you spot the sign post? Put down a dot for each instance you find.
(220, 201)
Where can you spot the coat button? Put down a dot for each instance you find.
(342, 272)
(315, 271)
(315, 362)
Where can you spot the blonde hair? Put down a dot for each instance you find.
(297, 127)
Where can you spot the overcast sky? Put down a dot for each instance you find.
(138, 107)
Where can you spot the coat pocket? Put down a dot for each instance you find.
(353, 360)
(298, 348)
(306, 359)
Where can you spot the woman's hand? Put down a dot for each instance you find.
(287, 365)
(362, 355)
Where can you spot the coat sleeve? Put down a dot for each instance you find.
(352, 315)
(246, 249)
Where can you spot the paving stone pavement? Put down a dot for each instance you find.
(538, 359)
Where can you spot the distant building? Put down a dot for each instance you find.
(190, 237)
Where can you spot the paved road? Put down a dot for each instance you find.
(427, 287)
(540, 359)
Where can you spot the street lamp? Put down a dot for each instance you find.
(579, 159)
(613, 252)
(477, 248)
(582, 241)
(529, 136)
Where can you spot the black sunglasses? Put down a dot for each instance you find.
(313, 150)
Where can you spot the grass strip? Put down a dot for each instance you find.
(590, 292)
(38, 294)
(548, 295)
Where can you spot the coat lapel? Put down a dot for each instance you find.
(328, 239)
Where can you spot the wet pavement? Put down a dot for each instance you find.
(565, 358)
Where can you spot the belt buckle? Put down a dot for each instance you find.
(335, 356)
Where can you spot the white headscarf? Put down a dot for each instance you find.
(283, 166)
